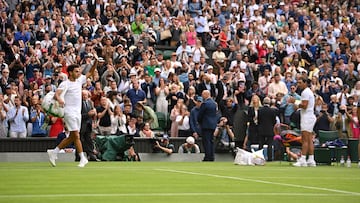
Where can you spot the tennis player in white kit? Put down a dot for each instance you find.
(71, 89)
(307, 122)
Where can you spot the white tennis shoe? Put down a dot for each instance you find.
(52, 157)
(300, 163)
(83, 162)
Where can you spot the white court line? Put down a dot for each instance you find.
(262, 181)
(166, 195)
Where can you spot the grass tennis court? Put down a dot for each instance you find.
(176, 182)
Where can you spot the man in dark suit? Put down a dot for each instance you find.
(93, 4)
(266, 122)
(87, 113)
(206, 85)
(149, 88)
(208, 120)
(223, 89)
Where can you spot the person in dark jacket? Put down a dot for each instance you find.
(266, 122)
(208, 121)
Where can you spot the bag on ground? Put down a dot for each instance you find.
(253, 158)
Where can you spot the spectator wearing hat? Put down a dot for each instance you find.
(289, 46)
(37, 77)
(164, 145)
(272, 63)
(9, 96)
(149, 37)
(101, 66)
(87, 63)
(210, 72)
(254, 90)
(131, 127)
(85, 30)
(189, 147)
(320, 61)
(224, 136)
(157, 76)
(47, 86)
(124, 83)
(224, 14)
(194, 113)
(194, 8)
(343, 95)
(99, 33)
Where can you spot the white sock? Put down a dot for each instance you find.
(303, 158)
(56, 150)
(311, 157)
(82, 156)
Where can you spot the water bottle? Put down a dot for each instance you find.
(285, 156)
(348, 162)
(342, 161)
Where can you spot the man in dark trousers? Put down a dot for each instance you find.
(87, 113)
(266, 122)
(208, 120)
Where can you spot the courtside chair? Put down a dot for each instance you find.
(336, 151)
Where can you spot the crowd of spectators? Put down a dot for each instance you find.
(234, 48)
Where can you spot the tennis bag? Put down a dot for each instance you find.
(51, 106)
